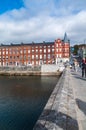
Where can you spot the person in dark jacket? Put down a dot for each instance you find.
(83, 65)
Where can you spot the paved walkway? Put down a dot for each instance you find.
(66, 108)
(79, 87)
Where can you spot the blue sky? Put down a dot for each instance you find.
(7, 5)
(42, 20)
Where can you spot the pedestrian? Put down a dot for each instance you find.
(73, 65)
(76, 66)
(83, 66)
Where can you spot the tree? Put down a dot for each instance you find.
(76, 47)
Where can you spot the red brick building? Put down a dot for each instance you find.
(35, 53)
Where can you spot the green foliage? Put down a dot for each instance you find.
(76, 47)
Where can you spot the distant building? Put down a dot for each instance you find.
(82, 52)
(35, 53)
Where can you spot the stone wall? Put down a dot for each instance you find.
(52, 68)
(20, 68)
(32, 70)
(49, 68)
(59, 112)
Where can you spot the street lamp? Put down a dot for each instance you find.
(85, 50)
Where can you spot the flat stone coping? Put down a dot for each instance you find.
(59, 112)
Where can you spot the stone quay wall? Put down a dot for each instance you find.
(59, 112)
(52, 68)
(31, 70)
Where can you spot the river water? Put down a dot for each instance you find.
(22, 100)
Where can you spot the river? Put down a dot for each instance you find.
(22, 99)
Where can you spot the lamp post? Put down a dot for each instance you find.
(1, 55)
(85, 50)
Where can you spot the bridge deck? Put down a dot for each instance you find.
(66, 108)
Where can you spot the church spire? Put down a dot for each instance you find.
(65, 38)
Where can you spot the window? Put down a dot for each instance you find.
(10, 51)
(40, 46)
(40, 50)
(57, 55)
(60, 49)
(6, 51)
(56, 45)
(36, 50)
(44, 50)
(33, 62)
(32, 50)
(36, 46)
(48, 56)
(40, 56)
(10, 57)
(60, 55)
(32, 56)
(21, 51)
(3, 52)
(25, 57)
(44, 56)
(28, 51)
(13, 51)
(44, 62)
(32, 47)
(24, 51)
(28, 57)
(44, 46)
(56, 50)
(48, 50)
(14, 57)
(36, 56)
(10, 63)
(52, 46)
(36, 62)
(7, 63)
(6, 57)
(52, 50)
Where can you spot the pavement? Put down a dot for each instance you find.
(79, 88)
(66, 107)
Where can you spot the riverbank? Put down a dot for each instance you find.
(32, 70)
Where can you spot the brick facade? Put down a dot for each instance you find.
(34, 53)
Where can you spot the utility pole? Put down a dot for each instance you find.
(1, 48)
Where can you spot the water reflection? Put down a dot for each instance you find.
(22, 100)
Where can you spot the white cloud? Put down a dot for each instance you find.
(44, 23)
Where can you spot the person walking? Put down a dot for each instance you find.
(83, 66)
(76, 65)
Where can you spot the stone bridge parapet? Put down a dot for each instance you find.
(60, 111)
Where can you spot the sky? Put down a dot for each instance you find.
(42, 20)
